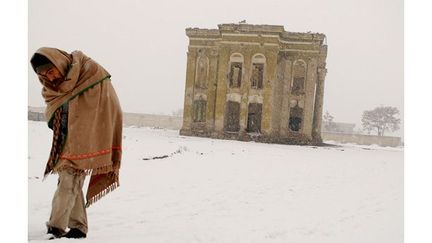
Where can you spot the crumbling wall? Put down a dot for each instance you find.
(362, 139)
(252, 66)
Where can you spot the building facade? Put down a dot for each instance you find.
(254, 82)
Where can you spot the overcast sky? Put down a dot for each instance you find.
(143, 45)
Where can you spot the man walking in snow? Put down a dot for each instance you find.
(86, 118)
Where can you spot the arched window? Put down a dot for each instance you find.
(257, 77)
(235, 71)
(299, 77)
(254, 117)
(201, 72)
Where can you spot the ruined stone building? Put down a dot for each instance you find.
(254, 82)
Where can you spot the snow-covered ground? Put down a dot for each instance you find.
(210, 190)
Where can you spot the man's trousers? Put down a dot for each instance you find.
(68, 206)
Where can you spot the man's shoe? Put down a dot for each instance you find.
(55, 232)
(75, 234)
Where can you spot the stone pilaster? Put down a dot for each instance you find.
(211, 89)
(221, 89)
(268, 90)
(287, 76)
(319, 98)
(189, 88)
(244, 91)
(309, 89)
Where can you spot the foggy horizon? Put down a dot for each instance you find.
(144, 46)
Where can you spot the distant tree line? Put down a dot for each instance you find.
(379, 120)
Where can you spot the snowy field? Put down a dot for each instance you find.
(235, 192)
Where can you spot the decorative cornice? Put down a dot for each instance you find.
(256, 30)
(264, 35)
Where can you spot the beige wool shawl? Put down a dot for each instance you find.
(94, 130)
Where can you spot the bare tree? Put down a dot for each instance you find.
(328, 122)
(381, 119)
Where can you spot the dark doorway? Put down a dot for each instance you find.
(296, 117)
(232, 117)
(254, 117)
